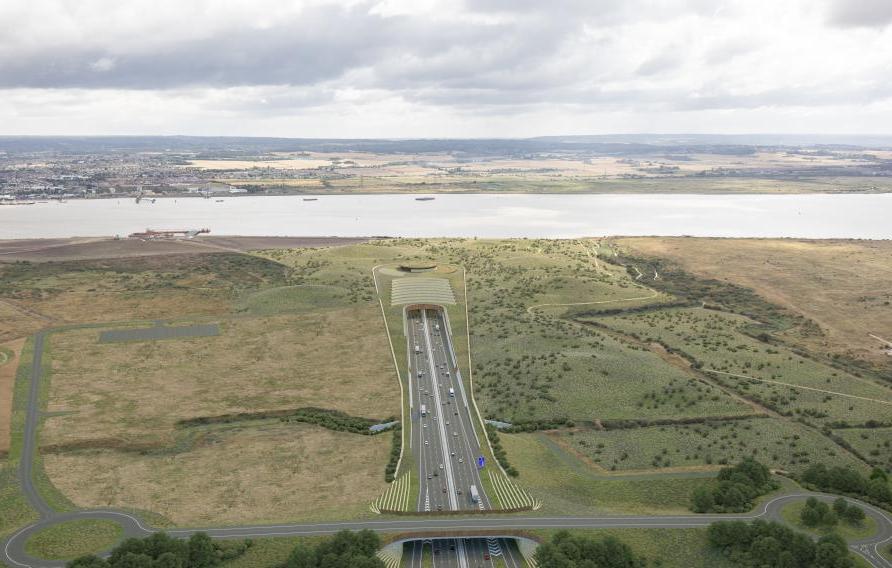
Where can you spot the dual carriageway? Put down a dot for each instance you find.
(445, 444)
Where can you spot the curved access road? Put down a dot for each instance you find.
(13, 548)
(13, 551)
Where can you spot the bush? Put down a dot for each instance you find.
(566, 550)
(735, 490)
(762, 543)
(498, 451)
(161, 551)
(818, 514)
(396, 445)
(844, 480)
(344, 550)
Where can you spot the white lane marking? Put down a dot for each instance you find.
(456, 381)
(462, 555)
(450, 483)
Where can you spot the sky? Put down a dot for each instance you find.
(444, 68)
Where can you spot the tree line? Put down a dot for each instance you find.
(346, 549)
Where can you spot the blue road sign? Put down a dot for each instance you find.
(481, 461)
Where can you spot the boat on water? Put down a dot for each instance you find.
(311, 199)
(219, 201)
(13, 202)
(425, 198)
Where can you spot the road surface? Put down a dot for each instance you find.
(444, 440)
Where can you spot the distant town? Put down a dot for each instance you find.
(33, 169)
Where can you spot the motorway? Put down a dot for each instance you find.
(12, 550)
(444, 439)
(479, 552)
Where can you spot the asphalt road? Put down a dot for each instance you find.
(12, 550)
(443, 439)
(479, 552)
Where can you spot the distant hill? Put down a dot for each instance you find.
(606, 144)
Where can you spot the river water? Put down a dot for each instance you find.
(867, 216)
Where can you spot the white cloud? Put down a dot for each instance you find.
(428, 68)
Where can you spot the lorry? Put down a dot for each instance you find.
(423, 410)
(475, 497)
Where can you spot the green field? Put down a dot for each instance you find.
(567, 485)
(847, 530)
(779, 444)
(875, 444)
(71, 539)
(716, 340)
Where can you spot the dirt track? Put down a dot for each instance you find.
(41, 250)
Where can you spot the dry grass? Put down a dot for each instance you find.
(9, 363)
(272, 473)
(15, 322)
(133, 393)
(841, 285)
(166, 286)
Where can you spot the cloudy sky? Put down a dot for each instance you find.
(444, 68)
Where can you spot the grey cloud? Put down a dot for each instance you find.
(860, 13)
(323, 44)
(660, 63)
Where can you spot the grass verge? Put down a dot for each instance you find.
(790, 514)
(71, 539)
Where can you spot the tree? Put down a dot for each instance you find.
(133, 560)
(168, 560)
(840, 506)
(854, 515)
(160, 543)
(703, 500)
(879, 490)
(879, 473)
(810, 517)
(202, 553)
(301, 556)
(832, 552)
(88, 561)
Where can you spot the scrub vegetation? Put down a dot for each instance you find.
(627, 381)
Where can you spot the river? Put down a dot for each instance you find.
(865, 216)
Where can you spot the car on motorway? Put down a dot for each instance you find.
(429, 476)
(441, 466)
(427, 443)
